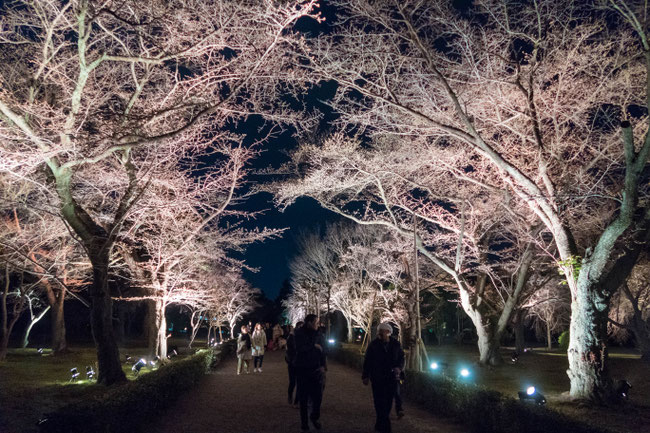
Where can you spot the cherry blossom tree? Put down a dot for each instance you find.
(98, 95)
(545, 98)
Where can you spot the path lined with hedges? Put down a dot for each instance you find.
(257, 403)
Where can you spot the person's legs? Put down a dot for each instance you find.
(292, 384)
(316, 393)
(382, 394)
(261, 362)
(239, 363)
(398, 400)
(303, 397)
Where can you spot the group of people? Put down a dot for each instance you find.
(306, 357)
(252, 346)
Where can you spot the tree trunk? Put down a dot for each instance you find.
(232, 331)
(410, 344)
(520, 340)
(150, 327)
(350, 333)
(549, 342)
(101, 319)
(587, 353)
(59, 342)
(34, 321)
(220, 333)
(489, 344)
(162, 336)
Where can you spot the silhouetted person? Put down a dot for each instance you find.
(311, 364)
(383, 366)
(290, 357)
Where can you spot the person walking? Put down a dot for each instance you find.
(276, 333)
(258, 342)
(244, 347)
(290, 357)
(383, 366)
(311, 365)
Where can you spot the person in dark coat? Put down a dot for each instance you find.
(311, 365)
(383, 367)
(290, 357)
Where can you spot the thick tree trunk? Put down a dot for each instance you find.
(220, 333)
(59, 342)
(549, 343)
(489, 344)
(101, 319)
(587, 353)
(520, 340)
(33, 322)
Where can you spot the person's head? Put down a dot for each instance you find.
(299, 324)
(311, 321)
(384, 331)
(244, 329)
(258, 326)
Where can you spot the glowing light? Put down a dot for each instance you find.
(331, 341)
(434, 366)
(530, 390)
(464, 372)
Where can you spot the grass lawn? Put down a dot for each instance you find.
(546, 370)
(32, 384)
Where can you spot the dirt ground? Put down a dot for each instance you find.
(257, 403)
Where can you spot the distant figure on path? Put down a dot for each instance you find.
(383, 366)
(244, 347)
(277, 333)
(311, 364)
(290, 357)
(259, 342)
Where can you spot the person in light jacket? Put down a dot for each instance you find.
(244, 347)
(259, 342)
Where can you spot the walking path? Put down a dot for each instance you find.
(257, 403)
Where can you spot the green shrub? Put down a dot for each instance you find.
(128, 407)
(563, 341)
(482, 410)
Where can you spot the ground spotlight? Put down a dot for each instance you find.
(532, 395)
(40, 351)
(90, 372)
(331, 341)
(138, 366)
(74, 374)
(464, 372)
(515, 357)
(434, 366)
(623, 389)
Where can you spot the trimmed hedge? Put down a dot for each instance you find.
(482, 410)
(128, 407)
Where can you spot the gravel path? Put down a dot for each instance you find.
(257, 403)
